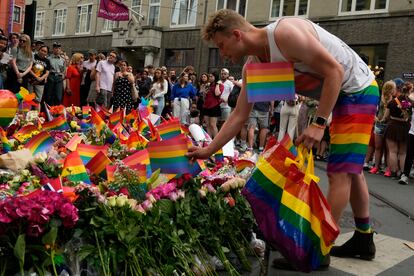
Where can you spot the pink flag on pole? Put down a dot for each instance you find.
(113, 10)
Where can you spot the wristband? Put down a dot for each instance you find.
(318, 126)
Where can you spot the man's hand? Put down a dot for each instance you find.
(198, 153)
(310, 136)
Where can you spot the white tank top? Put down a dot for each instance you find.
(357, 74)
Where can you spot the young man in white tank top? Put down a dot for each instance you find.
(328, 70)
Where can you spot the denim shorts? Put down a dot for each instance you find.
(379, 128)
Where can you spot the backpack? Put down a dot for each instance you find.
(233, 96)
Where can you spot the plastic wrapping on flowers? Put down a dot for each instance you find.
(57, 215)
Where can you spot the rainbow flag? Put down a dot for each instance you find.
(120, 132)
(39, 143)
(197, 167)
(116, 117)
(97, 121)
(218, 156)
(293, 215)
(56, 124)
(139, 157)
(287, 143)
(110, 172)
(87, 152)
(154, 135)
(74, 170)
(169, 129)
(169, 155)
(97, 165)
(270, 81)
(131, 117)
(241, 164)
(26, 130)
(136, 141)
(5, 142)
(73, 143)
(103, 112)
(85, 111)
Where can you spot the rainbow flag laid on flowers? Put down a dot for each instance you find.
(97, 121)
(39, 143)
(97, 165)
(169, 129)
(5, 142)
(56, 124)
(85, 111)
(87, 152)
(270, 81)
(73, 168)
(136, 140)
(169, 155)
(25, 132)
(110, 172)
(218, 156)
(116, 117)
(241, 164)
(287, 143)
(139, 157)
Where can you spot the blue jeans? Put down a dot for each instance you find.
(160, 106)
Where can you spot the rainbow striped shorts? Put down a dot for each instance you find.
(352, 121)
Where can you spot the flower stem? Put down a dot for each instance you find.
(52, 256)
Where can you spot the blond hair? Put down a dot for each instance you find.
(76, 57)
(387, 89)
(27, 48)
(224, 21)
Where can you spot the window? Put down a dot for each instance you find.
(83, 22)
(136, 6)
(216, 63)
(39, 27)
(184, 12)
(347, 7)
(17, 14)
(108, 25)
(237, 5)
(289, 8)
(376, 56)
(154, 12)
(59, 21)
(178, 59)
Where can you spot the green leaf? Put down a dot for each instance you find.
(20, 249)
(50, 237)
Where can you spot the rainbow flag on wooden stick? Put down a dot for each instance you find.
(74, 170)
(270, 81)
(39, 143)
(97, 165)
(169, 155)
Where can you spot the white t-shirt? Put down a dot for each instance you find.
(107, 71)
(228, 86)
(88, 64)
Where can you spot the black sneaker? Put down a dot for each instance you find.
(283, 264)
(361, 246)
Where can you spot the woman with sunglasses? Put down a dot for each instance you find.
(21, 64)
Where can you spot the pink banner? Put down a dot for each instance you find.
(113, 10)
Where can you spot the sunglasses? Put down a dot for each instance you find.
(22, 40)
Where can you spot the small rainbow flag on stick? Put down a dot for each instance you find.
(287, 143)
(169, 129)
(39, 143)
(74, 170)
(97, 165)
(116, 117)
(5, 142)
(56, 124)
(139, 157)
(169, 155)
(270, 81)
(218, 156)
(110, 172)
(26, 130)
(87, 152)
(85, 111)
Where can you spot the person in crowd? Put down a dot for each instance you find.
(228, 86)
(150, 70)
(396, 133)
(4, 60)
(408, 164)
(130, 69)
(144, 84)
(92, 95)
(105, 71)
(259, 117)
(211, 107)
(13, 41)
(167, 108)
(172, 77)
(331, 66)
(38, 44)
(181, 94)
(122, 88)
(289, 118)
(380, 125)
(203, 86)
(73, 81)
(53, 94)
(88, 65)
(158, 90)
(20, 65)
(39, 73)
